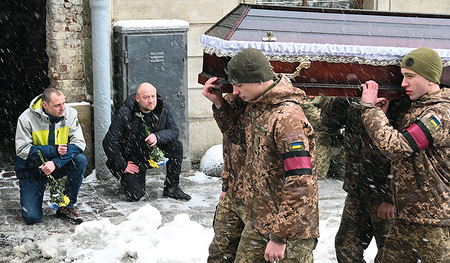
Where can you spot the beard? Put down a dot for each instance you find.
(147, 108)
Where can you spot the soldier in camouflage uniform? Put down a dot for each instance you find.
(312, 108)
(369, 208)
(420, 160)
(230, 213)
(279, 176)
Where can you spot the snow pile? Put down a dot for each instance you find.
(141, 238)
(211, 163)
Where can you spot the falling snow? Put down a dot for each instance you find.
(155, 229)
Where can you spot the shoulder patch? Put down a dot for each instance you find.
(419, 134)
(432, 122)
(296, 146)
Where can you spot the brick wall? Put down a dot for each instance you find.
(66, 30)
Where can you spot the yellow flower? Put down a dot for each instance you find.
(65, 201)
(153, 163)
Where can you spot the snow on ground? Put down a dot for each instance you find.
(165, 230)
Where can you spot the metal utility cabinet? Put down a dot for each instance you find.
(154, 51)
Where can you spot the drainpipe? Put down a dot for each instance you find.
(101, 64)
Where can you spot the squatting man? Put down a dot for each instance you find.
(141, 125)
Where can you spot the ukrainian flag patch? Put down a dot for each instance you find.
(432, 122)
(296, 146)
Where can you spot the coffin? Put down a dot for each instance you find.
(326, 52)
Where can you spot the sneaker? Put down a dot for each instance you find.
(69, 214)
(176, 193)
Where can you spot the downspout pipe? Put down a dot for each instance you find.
(101, 64)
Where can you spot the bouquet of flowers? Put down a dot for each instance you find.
(57, 198)
(157, 157)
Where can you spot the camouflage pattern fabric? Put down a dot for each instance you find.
(234, 159)
(253, 245)
(409, 242)
(312, 107)
(366, 179)
(280, 182)
(233, 155)
(359, 224)
(230, 212)
(366, 168)
(228, 226)
(420, 154)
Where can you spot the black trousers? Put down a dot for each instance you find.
(134, 184)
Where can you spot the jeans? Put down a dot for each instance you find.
(32, 190)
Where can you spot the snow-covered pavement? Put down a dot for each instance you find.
(155, 229)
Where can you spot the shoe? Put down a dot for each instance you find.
(176, 193)
(69, 214)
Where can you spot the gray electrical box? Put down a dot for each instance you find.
(154, 51)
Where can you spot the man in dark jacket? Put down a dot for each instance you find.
(141, 125)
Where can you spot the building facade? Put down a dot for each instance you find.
(68, 34)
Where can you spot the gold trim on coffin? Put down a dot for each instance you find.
(304, 64)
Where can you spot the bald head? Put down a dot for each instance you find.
(146, 97)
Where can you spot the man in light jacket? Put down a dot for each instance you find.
(49, 131)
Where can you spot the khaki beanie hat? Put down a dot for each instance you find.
(425, 62)
(249, 66)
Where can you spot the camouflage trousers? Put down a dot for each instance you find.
(359, 224)
(408, 242)
(228, 225)
(253, 246)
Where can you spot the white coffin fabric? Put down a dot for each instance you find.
(331, 53)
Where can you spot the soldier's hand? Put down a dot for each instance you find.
(274, 251)
(369, 92)
(386, 211)
(383, 103)
(212, 94)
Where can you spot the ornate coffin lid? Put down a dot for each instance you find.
(338, 48)
(330, 35)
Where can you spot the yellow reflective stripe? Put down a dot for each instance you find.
(37, 104)
(62, 135)
(40, 137)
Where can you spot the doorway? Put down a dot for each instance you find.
(23, 66)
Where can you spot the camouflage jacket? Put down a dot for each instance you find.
(280, 181)
(366, 168)
(420, 157)
(233, 158)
